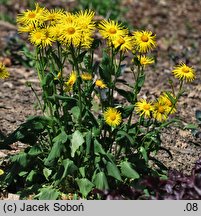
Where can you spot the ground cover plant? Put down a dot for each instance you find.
(86, 139)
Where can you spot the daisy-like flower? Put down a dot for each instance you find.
(86, 76)
(1, 172)
(37, 36)
(184, 72)
(31, 16)
(70, 33)
(99, 83)
(125, 43)
(144, 41)
(71, 81)
(53, 16)
(3, 71)
(164, 98)
(144, 108)
(144, 60)
(111, 30)
(85, 20)
(112, 117)
(160, 110)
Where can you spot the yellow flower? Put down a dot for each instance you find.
(99, 83)
(37, 36)
(71, 81)
(31, 16)
(112, 116)
(53, 15)
(3, 71)
(70, 33)
(166, 100)
(160, 110)
(84, 19)
(111, 29)
(86, 76)
(1, 172)
(125, 43)
(144, 60)
(184, 72)
(144, 108)
(144, 41)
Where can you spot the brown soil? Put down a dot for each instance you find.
(177, 25)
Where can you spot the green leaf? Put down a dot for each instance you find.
(21, 158)
(127, 110)
(100, 181)
(35, 150)
(126, 94)
(57, 148)
(88, 142)
(76, 112)
(69, 167)
(140, 81)
(128, 171)
(113, 171)
(76, 141)
(191, 127)
(122, 134)
(47, 193)
(85, 186)
(47, 172)
(29, 131)
(98, 149)
(144, 153)
(32, 176)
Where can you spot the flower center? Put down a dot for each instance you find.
(112, 31)
(161, 109)
(185, 70)
(121, 41)
(112, 116)
(71, 30)
(146, 107)
(31, 15)
(38, 35)
(144, 38)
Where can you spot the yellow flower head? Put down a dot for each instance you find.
(112, 117)
(111, 30)
(125, 43)
(144, 108)
(31, 16)
(37, 36)
(144, 60)
(167, 101)
(53, 16)
(1, 172)
(86, 76)
(85, 20)
(144, 41)
(160, 110)
(70, 33)
(99, 83)
(3, 71)
(184, 72)
(71, 81)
